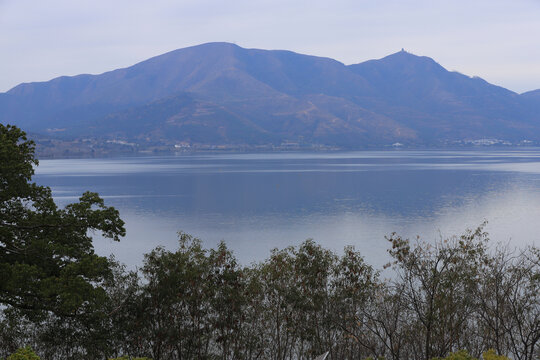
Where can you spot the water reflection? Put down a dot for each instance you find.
(260, 201)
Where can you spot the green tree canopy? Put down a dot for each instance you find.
(47, 258)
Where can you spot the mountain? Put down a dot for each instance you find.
(421, 94)
(222, 94)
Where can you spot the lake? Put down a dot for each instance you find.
(256, 202)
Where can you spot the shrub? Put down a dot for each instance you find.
(25, 353)
(492, 355)
(458, 355)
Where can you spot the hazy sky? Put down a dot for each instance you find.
(498, 40)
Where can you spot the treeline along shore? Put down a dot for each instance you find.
(456, 298)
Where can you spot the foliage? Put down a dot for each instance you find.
(464, 355)
(509, 303)
(25, 353)
(52, 281)
(458, 355)
(302, 301)
(438, 283)
(46, 253)
(492, 355)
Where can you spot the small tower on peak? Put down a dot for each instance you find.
(402, 50)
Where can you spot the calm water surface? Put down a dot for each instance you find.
(256, 202)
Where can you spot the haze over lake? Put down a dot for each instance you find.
(256, 202)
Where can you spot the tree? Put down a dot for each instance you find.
(438, 283)
(353, 284)
(47, 258)
(509, 302)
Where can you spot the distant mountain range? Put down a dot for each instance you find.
(219, 94)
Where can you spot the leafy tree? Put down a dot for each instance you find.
(355, 288)
(175, 301)
(277, 286)
(228, 302)
(47, 258)
(313, 269)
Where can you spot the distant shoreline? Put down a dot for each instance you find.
(67, 151)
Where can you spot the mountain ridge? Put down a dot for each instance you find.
(220, 93)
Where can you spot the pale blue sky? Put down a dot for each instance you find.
(498, 40)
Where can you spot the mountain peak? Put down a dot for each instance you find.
(400, 64)
(215, 45)
(405, 56)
